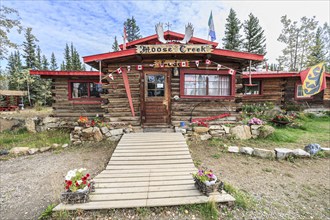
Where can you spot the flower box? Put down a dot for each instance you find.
(80, 196)
(208, 187)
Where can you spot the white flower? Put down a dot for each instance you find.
(81, 170)
(79, 182)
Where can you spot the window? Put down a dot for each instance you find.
(156, 85)
(206, 85)
(85, 90)
(253, 90)
(299, 92)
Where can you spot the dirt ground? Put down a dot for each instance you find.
(281, 189)
(28, 184)
(28, 112)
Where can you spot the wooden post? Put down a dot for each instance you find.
(128, 90)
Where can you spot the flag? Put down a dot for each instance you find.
(197, 63)
(313, 79)
(183, 64)
(218, 67)
(119, 70)
(128, 68)
(139, 67)
(211, 28)
(111, 76)
(231, 71)
(207, 62)
(125, 37)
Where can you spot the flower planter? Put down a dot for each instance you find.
(80, 196)
(208, 187)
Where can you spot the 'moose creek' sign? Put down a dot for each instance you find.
(173, 48)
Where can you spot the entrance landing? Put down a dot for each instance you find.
(147, 170)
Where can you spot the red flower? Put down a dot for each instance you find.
(69, 183)
(67, 187)
(85, 182)
(84, 178)
(77, 184)
(87, 175)
(89, 184)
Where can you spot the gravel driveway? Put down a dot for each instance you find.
(28, 184)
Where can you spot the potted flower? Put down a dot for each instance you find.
(206, 181)
(78, 186)
(282, 119)
(82, 121)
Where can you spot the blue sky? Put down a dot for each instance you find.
(92, 25)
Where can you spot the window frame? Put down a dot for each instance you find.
(261, 86)
(81, 99)
(296, 97)
(183, 72)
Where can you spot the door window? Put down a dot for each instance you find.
(156, 85)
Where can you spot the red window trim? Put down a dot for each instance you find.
(82, 100)
(207, 72)
(261, 92)
(296, 93)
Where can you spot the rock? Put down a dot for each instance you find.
(75, 136)
(65, 145)
(33, 150)
(78, 129)
(114, 138)
(186, 211)
(255, 132)
(97, 134)
(217, 132)
(263, 153)
(246, 150)
(104, 130)
(108, 134)
(215, 127)
(8, 124)
(313, 148)
(227, 129)
(265, 131)
(48, 120)
(117, 132)
(30, 125)
(242, 132)
(128, 130)
(233, 149)
(180, 130)
(19, 150)
(201, 130)
(300, 153)
(88, 132)
(77, 142)
(271, 113)
(4, 152)
(283, 153)
(205, 137)
(43, 149)
(55, 146)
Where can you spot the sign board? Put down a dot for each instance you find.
(174, 48)
(170, 63)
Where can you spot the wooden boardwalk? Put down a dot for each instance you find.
(147, 169)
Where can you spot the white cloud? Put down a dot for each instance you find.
(92, 25)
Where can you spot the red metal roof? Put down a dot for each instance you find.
(64, 73)
(110, 55)
(274, 74)
(238, 54)
(153, 39)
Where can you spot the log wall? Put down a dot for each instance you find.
(326, 94)
(117, 109)
(72, 109)
(271, 91)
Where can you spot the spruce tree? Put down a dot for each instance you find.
(67, 58)
(38, 64)
(44, 63)
(232, 39)
(132, 30)
(53, 63)
(29, 49)
(254, 41)
(115, 45)
(317, 53)
(63, 66)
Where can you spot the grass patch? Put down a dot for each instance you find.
(207, 210)
(216, 156)
(23, 138)
(268, 170)
(243, 199)
(47, 213)
(143, 211)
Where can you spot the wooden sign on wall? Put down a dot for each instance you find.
(171, 63)
(173, 48)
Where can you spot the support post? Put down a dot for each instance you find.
(128, 90)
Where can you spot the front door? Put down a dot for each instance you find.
(156, 101)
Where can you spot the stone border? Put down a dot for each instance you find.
(277, 153)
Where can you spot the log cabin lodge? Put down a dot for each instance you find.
(150, 83)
